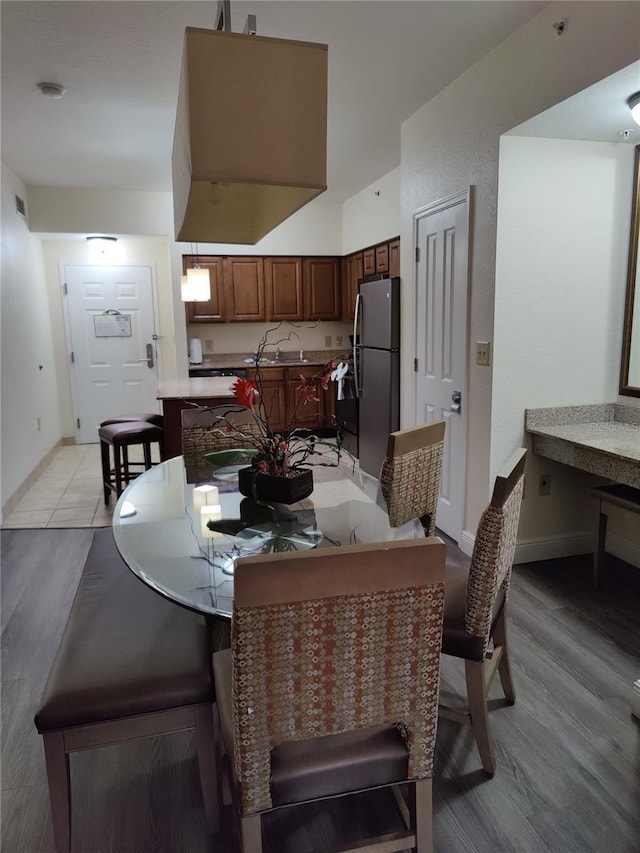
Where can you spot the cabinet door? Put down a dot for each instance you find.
(244, 289)
(394, 258)
(321, 288)
(283, 288)
(369, 259)
(353, 273)
(213, 310)
(309, 416)
(273, 395)
(382, 258)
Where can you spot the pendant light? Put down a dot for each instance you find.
(250, 140)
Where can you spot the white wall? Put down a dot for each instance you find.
(28, 374)
(372, 215)
(561, 264)
(453, 142)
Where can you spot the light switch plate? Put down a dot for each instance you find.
(483, 353)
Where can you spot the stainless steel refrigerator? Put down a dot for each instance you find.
(376, 357)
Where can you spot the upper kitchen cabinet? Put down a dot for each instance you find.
(244, 289)
(321, 278)
(283, 288)
(353, 272)
(394, 258)
(211, 311)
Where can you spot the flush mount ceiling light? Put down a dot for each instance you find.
(634, 105)
(101, 237)
(51, 90)
(101, 244)
(250, 140)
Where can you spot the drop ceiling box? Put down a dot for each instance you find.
(250, 141)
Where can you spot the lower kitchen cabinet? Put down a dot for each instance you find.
(273, 395)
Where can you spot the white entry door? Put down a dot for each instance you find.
(442, 270)
(112, 330)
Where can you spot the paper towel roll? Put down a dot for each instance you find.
(195, 351)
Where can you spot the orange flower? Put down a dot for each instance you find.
(308, 391)
(245, 390)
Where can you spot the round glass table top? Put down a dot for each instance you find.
(183, 539)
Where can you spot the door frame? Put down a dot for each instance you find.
(465, 197)
(66, 319)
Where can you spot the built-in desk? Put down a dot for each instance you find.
(602, 439)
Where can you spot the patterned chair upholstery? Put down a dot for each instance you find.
(205, 430)
(410, 475)
(331, 683)
(476, 605)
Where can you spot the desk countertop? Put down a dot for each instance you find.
(601, 439)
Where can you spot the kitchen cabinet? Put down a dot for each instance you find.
(273, 395)
(321, 278)
(382, 258)
(244, 289)
(394, 258)
(211, 311)
(283, 288)
(369, 261)
(354, 270)
(311, 415)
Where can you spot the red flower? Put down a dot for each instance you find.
(245, 390)
(308, 392)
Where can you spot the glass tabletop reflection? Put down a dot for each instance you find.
(188, 555)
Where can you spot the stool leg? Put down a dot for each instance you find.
(59, 780)
(106, 471)
(146, 447)
(117, 467)
(161, 446)
(125, 465)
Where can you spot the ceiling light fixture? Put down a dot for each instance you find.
(51, 90)
(634, 105)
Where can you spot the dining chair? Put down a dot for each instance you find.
(205, 430)
(475, 612)
(331, 683)
(410, 475)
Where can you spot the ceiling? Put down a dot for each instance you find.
(119, 62)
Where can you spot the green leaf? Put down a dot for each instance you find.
(222, 458)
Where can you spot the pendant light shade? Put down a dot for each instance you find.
(250, 141)
(195, 286)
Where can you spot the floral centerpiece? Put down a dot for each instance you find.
(286, 454)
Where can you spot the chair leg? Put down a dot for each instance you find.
(423, 815)
(501, 638)
(59, 780)
(251, 833)
(206, 749)
(477, 698)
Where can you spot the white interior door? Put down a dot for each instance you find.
(442, 265)
(112, 331)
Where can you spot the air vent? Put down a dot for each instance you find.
(20, 206)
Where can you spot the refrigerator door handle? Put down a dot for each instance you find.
(355, 347)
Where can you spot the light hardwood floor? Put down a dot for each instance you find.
(568, 751)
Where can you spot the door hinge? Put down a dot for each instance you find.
(415, 365)
(65, 290)
(417, 254)
(73, 358)
(78, 422)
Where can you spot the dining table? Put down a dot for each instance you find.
(182, 538)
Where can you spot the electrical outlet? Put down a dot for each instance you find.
(327, 340)
(544, 485)
(339, 340)
(483, 353)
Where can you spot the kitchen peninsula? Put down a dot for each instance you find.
(179, 394)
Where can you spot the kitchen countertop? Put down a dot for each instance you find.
(288, 358)
(602, 439)
(195, 388)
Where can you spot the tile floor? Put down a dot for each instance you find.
(67, 494)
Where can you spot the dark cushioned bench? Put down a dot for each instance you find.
(130, 664)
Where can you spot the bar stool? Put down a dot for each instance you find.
(121, 436)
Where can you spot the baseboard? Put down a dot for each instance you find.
(22, 489)
(535, 550)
